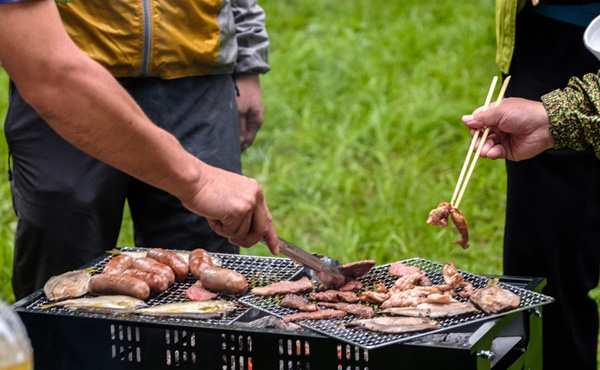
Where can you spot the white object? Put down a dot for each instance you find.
(15, 347)
(591, 37)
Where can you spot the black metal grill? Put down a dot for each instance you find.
(66, 340)
(369, 340)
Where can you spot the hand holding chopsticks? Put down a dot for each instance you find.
(440, 215)
(462, 185)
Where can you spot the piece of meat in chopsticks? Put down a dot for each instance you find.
(439, 217)
(461, 225)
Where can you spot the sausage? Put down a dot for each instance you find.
(118, 264)
(199, 258)
(157, 283)
(118, 284)
(218, 279)
(155, 267)
(171, 259)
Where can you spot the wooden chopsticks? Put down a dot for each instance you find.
(461, 185)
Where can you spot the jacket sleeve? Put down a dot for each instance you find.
(574, 114)
(252, 38)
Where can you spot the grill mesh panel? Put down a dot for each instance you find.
(257, 270)
(368, 339)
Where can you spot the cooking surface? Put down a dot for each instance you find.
(257, 270)
(368, 339)
(261, 271)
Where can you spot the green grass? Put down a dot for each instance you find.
(362, 134)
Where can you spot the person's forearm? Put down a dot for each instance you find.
(573, 114)
(84, 104)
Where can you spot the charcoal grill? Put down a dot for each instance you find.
(64, 339)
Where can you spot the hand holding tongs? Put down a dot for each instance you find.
(327, 274)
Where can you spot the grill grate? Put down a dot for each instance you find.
(257, 270)
(367, 339)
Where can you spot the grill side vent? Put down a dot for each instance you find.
(125, 343)
(237, 352)
(294, 354)
(181, 348)
(352, 357)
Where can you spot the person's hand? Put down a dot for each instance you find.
(519, 129)
(251, 110)
(235, 208)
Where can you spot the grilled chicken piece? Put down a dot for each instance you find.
(394, 325)
(399, 269)
(439, 217)
(461, 225)
(373, 297)
(492, 299)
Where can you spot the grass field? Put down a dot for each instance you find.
(362, 134)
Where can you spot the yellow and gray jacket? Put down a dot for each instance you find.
(170, 39)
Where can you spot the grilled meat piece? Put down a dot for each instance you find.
(284, 287)
(454, 280)
(316, 315)
(360, 310)
(406, 300)
(197, 293)
(373, 297)
(461, 225)
(381, 288)
(354, 270)
(298, 302)
(433, 310)
(352, 286)
(394, 325)
(408, 281)
(492, 299)
(399, 269)
(334, 296)
(439, 216)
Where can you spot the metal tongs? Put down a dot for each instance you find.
(323, 270)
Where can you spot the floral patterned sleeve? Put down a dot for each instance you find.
(574, 114)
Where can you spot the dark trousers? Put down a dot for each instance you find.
(69, 206)
(553, 201)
